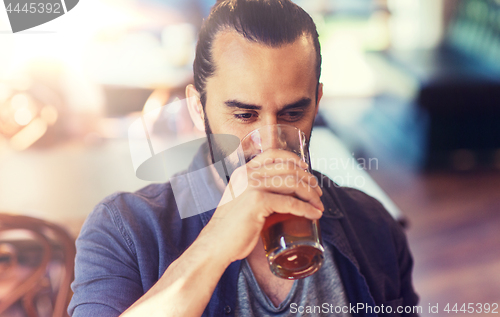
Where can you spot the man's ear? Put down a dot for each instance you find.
(195, 108)
(320, 94)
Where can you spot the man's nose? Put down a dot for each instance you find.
(274, 138)
(270, 119)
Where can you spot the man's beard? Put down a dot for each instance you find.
(217, 153)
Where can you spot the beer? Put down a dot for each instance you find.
(288, 245)
(292, 244)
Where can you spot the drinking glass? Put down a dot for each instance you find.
(292, 243)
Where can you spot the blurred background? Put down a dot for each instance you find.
(414, 84)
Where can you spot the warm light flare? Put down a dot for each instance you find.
(69, 38)
(156, 100)
(28, 135)
(49, 114)
(23, 116)
(19, 101)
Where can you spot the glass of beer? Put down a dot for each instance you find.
(292, 243)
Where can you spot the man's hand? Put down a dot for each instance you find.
(276, 181)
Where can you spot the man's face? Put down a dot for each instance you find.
(256, 85)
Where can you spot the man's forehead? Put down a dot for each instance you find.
(257, 74)
(229, 45)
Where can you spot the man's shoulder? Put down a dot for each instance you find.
(140, 219)
(149, 193)
(354, 203)
(148, 204)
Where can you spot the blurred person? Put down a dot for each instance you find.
(258, 62)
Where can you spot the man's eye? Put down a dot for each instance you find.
(293, 115)
(243, 116)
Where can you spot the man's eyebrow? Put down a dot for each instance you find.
(241, 105)
(302, 103)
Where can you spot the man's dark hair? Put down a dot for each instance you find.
(269, 22)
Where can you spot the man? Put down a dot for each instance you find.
(257, 62)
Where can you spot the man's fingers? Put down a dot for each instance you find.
(290, 185)
(290, 205)
(285, 179)
(273, 156)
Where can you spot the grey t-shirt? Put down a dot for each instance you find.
(321, 294)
